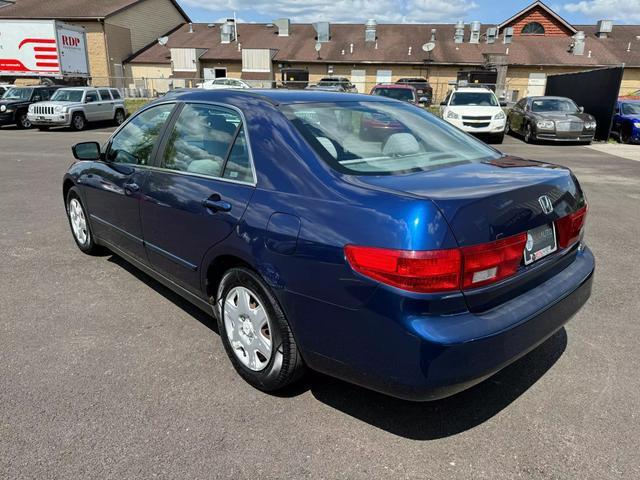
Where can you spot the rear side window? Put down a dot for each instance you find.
(202, 140)
(104, 94)
(115, 94)
(238, 166)
(135, 142)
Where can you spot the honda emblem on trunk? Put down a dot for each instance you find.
(545, 203)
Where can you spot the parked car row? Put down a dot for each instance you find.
(55, 106)
(626, 121)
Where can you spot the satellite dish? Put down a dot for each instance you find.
(163, 40)
(427, 47)
(318, 46)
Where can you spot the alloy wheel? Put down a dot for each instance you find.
(527, 134)
(248, 328)
(24, 121)
(78, 122)
(507, 126)
(119, 117)
(78, 222)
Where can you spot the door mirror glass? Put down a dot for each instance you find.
(581, 109)
(86, 151)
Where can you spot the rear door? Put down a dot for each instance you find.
(106, 104)
(198, 191)
(112, 189)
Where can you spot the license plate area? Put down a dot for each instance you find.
(541, 241)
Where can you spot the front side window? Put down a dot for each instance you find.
(563, 105)
(63, 95)
(383, 138)
(134, 143)
(483, 99)
(92, 96)
(201, 142)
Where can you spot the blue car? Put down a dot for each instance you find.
(626, 121)
(350, 234)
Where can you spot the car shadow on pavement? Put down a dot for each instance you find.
(205, 319)
(413, 420)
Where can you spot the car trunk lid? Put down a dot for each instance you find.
(488, 201)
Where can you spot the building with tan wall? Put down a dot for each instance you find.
(115, 28)
(532, 44)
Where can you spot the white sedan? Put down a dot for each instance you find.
(220, 83)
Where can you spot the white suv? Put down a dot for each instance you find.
(475, 110)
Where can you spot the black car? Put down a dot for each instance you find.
(15, 103)
(342, 82)
(422, 86)
(550, 118)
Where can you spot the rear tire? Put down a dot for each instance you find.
(78, 122)
(241, 333)
(119, 117)
(79, 223)
(625, 134)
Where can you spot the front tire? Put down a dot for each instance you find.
(625, 134)
(22, 121)
(255, 332)
(78, 122)
(79, 223)
(529, 137)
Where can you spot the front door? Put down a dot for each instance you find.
(198, 192)
(114, 187)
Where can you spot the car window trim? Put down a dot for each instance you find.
(156, 165)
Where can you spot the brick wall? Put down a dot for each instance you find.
(552, 27)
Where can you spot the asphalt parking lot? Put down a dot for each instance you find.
(106, 374)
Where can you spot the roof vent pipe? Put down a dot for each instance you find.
(283, 25)
(190, 27)
(459, 34)
(351, 48)
(370, 30)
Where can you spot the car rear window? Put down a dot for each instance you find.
(115, 94)
(404, 94)
(383, 138)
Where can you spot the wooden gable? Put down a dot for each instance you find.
(554, 25)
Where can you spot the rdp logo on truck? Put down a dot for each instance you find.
(68, 41)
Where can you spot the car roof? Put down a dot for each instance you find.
(397, 86)
(473, 89)
(275, 96)
(84, 88)
(548, 97)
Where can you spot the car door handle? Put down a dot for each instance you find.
(216, 204)
(130, 188)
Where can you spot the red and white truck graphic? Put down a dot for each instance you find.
(42, 48)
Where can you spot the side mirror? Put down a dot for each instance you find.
(423, 100)
(581, 109)
(86, 151)
(443, 104)
(503, 103)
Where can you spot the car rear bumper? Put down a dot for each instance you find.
(58, 119)
(417, 356)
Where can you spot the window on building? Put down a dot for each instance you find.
(533, 28)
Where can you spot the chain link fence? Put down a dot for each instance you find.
(149, 88)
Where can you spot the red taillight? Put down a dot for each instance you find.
(568, 228)
(439, 270)
(493, 261)
(416, 271)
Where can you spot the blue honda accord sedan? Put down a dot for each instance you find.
(350, 234)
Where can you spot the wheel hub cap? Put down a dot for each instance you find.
(78, 221)
(247, 327)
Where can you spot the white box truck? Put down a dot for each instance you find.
(43, 49)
